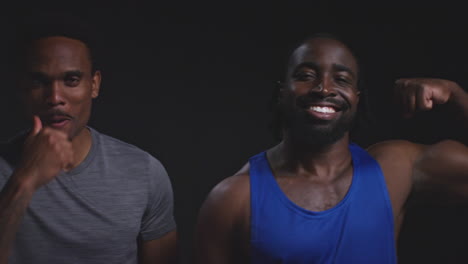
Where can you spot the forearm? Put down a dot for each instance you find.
(14, 199)
(459, 99)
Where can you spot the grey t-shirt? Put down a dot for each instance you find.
(96, 212)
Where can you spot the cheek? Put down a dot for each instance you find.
(351, 97)
(79, 95)
(300, 88)
(80, 103)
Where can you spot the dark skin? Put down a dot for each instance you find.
(57, 87)
(318, 177)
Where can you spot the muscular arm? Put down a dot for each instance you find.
(222, 229)
(444, 163)
(443, 167)
(422, 94)
(14, 199)
(460, 98)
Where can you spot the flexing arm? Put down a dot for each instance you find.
(443, 167)
(422, 94)
(222, 232)
(42, 146)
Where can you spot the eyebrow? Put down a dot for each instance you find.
(310, 65)
(39, 74)
(315, 66)
(342, 68)
(74, 73)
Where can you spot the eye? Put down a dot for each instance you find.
(343, 80)
(304, 76)
(72, 81)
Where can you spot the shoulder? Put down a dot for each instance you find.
(117, 149)
(125, 155)
(230, 198)
(233, 189)
(109, 142)
(223, 221)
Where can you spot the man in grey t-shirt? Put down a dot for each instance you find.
(68, 193)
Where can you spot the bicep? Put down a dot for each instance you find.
(444, 164)
(162, 250)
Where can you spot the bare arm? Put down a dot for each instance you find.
(14, 199)
(162, 250)
(443, 167)
(422, 94)
(46, 153)
(459, 98)
(222, 229)
(444, 164)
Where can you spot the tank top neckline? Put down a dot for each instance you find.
(302, 211)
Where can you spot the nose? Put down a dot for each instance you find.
(324, 88)
(54, 94)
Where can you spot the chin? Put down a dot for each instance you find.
(320, 134)
(317, 137)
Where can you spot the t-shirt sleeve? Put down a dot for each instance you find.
(158, 218)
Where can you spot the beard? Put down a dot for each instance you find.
(319, 133)
(311, 132)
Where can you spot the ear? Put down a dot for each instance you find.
(96, 84)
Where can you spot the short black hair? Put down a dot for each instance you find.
(363, 116)
(31, 28)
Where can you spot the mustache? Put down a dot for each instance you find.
(55, 112)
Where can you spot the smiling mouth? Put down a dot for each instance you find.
(323, 112)
(322, 109)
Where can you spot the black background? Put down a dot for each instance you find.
(191, 83)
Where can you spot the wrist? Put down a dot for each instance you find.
(457, 94)
(22, 181)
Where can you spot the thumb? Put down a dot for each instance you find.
(37, 125)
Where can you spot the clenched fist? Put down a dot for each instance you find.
(421, 94)
(46, 152)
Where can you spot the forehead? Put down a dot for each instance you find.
(58, 53)
(324, 52)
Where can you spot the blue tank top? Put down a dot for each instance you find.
(359, 229)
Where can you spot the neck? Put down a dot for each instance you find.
(290, 156)
(81, 145)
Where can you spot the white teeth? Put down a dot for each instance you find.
(321, 109)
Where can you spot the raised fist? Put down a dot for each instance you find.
(421, 94)
(46, 152)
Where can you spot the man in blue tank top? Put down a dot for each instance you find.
(316, 197)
